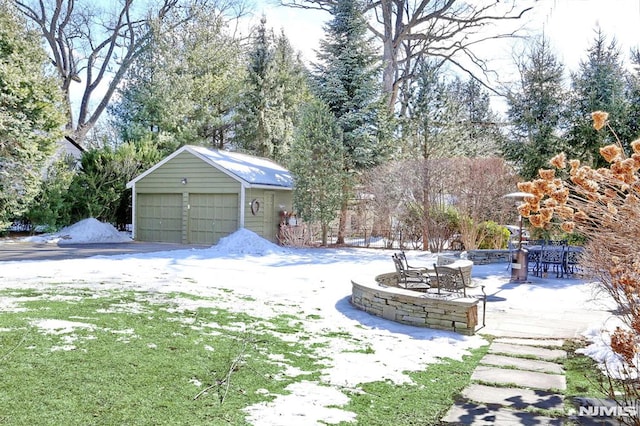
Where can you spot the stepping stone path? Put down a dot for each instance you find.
(517, 382)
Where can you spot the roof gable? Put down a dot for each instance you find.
(246, 169)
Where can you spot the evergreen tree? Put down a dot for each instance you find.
(292, 91)
(30, 114)
(633, 96)
(347, 80)
(427, 127)
(254, 126)
(317, 164)
(536, 110)
(184, 89)
(95, 43)
(274, 88)
(142, 108)
(598, 85)
(51, 208)
(477, 131)
(99, 189)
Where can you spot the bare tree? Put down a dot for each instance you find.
(95, 47)
(445, 29)
(477, 187)
(408, 197)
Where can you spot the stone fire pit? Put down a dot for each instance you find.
(380, 295)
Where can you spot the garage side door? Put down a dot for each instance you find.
(159, 217)
(211, 217)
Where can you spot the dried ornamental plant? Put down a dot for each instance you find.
(603, 205)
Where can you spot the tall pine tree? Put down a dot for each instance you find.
(427, 129)
(31, 121)
(291, 92)
(598, 85)
(347, 80)
(274, 88)
(476, 131)
(253, 133)
(536, 109)
(316, 162)
(427, 126)
(185, 87)
(633, 94)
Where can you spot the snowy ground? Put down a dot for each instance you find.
(267, 280)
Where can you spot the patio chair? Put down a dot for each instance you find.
(409, 278)
(552, 258)
(403, 258)
(533, 261)
(450, 279)
(572, 260)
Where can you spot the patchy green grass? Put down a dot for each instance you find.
(423, 403)
(128, 358)
(584, 378)
(80, 357)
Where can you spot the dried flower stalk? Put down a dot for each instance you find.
(603, 205)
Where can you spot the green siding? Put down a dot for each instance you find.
(266, 222)
(201, 177)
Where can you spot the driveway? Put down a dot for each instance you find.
(12, 251)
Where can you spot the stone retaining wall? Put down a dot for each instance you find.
(482, 257)
(379, 296)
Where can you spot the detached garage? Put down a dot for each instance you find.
(198, 195)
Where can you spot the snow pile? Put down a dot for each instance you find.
(244, 241)
(88, 231)
(609, 362)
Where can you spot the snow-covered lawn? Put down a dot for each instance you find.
(249, 274)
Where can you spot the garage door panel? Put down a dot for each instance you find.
(211, 217)
(159, 217)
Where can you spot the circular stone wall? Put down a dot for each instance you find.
(379, 295)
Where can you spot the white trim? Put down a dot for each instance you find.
(269, 187)
(133, 212)
(243, 200)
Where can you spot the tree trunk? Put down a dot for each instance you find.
(325, 231)
(426, 207)
(342, 225)
(389, 55)
(425, 219)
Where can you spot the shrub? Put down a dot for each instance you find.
(99, 189)
(49, 209)
(495, 236)
(603, 205)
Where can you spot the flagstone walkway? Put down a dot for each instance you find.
(518, 382)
